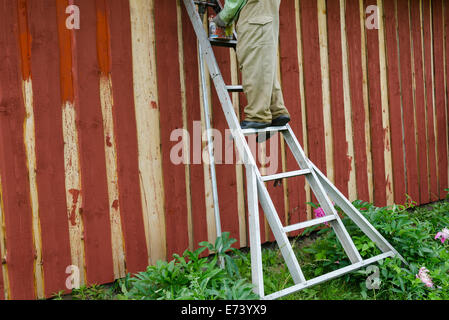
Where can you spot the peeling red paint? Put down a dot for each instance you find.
(25, 39)
(154, 105)
(115, 205)
(108, 141)
(75, 194)
(65, 49)
(103, 38)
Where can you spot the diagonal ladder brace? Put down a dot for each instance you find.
(323, 189)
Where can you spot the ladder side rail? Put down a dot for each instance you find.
(210, 150)
(355, 215)
(328, 276)
(279, 234)
(254, 232)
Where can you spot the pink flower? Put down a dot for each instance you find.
(424, 277)
(444, 234)
(319, 213)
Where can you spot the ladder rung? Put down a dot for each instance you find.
(309, 223)
(248, 132)
(235, 88)
(286, 175)
(329, 276)
(223, 43)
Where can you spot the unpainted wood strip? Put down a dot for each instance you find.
(325, 84)
(369, 161)
(30, 146)
(385, 108)
(107, 103)
(30, 141)
(73, 188)
(147, 116)
(303, 99)
(352, 187)
(186, 140)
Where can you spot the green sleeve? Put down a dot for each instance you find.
(231, 10)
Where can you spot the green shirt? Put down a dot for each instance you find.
(231, 10)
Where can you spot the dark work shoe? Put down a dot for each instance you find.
(254, 125)
(280, 121)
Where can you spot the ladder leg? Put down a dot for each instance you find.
(254, 233)
(278, 231)
(355, 215)
(322, 197)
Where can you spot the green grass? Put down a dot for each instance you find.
(411, 230)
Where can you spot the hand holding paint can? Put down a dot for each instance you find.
(216, 32)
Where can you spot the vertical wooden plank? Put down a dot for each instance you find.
(29, 139)
(428, 71)
(419, 95)
(166, 37)
(446, 63)
(385, 108)
(312, 84)
(349, 132)
(407, 99)
(394, 94)
(342, 162)
(223, 146)
(148, 128)
(4, 286)
(110, 147)
(185, 136)
(18, 259)
(73, 192)
(130, 200)
(302, 98)
(194, 128)
(290, 75)
(325, 85)
(440, 106)
(94, 179)
(50, 177)
(354, 38)
(375, 108)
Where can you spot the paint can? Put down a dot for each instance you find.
(216, 32)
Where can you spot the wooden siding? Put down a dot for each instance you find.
(87, 116)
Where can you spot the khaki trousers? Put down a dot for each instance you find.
(258, 35)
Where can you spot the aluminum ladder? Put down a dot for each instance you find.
(324, 191)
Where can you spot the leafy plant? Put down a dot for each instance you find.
(189, 277)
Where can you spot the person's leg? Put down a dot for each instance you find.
(256, 51)
(277, 106)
